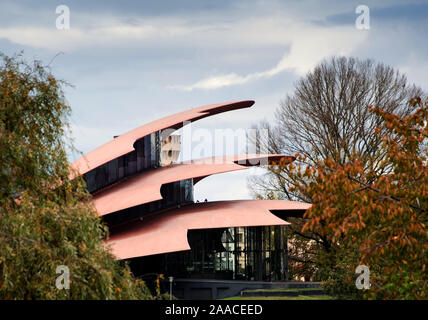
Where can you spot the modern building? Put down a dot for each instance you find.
(146, 198)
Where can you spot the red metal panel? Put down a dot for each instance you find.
(167, 231)
(145, 187)
(123, 144)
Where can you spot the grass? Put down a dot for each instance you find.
(301, 297)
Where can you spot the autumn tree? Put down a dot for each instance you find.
(384, 218)
(46, 220)
(328, 117)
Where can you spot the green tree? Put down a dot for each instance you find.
(46, 219)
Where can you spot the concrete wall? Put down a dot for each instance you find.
(203, 289)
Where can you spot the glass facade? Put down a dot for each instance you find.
(173, 194)
(145, 156)
(253, 253)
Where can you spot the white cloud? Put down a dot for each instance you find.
(416, 72)
(306, 44)
(309, 45)
(74, 38)
(215, 82)
(225, 186)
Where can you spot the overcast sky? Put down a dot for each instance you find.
(132, 62)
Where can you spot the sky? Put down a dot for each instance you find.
(131, 62)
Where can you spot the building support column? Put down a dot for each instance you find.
(283, 253)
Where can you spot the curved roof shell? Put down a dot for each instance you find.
(145, 187)
(124, 143)
(167, 231)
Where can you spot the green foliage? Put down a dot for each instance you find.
(46, 219)
(336, 268)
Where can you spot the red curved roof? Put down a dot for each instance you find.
(123, 144)
(145, 187)
(167, 231)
